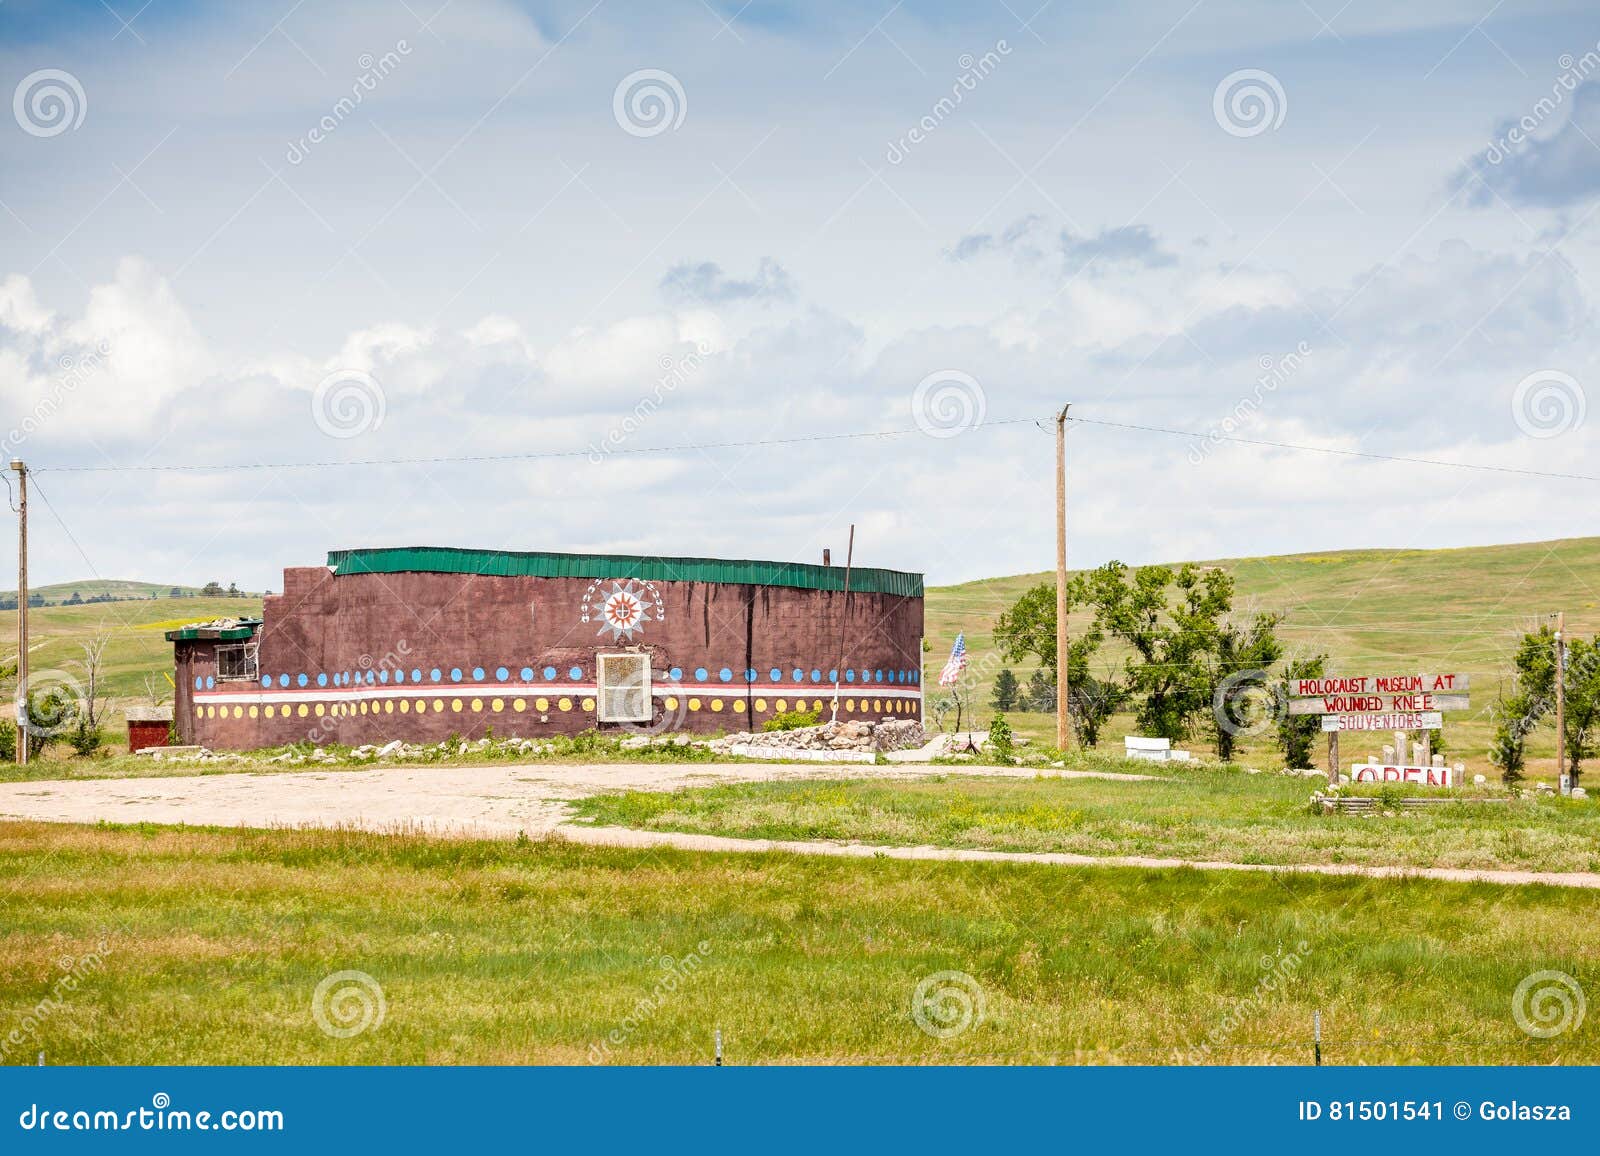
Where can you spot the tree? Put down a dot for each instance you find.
(175, 592)
(234, 591)
(1028, 628)
(1533, 698)
(1171, 635)
(1245, 699)
(1297, 733)
(1005, 691)
(86, 736)
(212, 589)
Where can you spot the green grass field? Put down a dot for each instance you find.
(1199, 814)
(192, 946)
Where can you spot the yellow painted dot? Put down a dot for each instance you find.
(519, 704)
(498, 705)
(671, 703)
(363, 708)
(782, 705)
(716, 705)
(761, 704)
(319, 710)
(816, 704)
(739, 704)
(694, 704)
(388, 706)
(269, 712)
(455, 705)
(405, 706)
(850, 705)
(877, 706)
(588, 704)
(253, 712)
(301, 710)
(565, 704)
(543, 704)
(477, 706)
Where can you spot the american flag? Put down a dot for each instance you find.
(958, 662)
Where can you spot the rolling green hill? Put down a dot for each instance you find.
(93, 587)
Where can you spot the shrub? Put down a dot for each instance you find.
(84, 737)
(8, 741)
(1001, 746)
(792, 720)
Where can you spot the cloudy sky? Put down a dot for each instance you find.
(561, 235)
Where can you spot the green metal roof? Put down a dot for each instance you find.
(449, 560)
(244, 630)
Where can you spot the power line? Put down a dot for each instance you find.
(760, 443)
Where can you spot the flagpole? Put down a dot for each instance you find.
(1063, 715)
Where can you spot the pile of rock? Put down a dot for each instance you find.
(871, 737)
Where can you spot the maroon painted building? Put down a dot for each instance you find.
(420, 643)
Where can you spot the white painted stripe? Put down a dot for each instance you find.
(510, 690)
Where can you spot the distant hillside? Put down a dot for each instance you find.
(100, 590)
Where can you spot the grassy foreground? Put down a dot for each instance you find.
(1203, 814)
(191, 946)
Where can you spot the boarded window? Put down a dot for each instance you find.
(624, 688)
(237, 662)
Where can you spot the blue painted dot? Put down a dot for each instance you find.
(849, 676)
(322, 679)
(799, 675)
(700, 674)
(675, 674)
(501, 674)
(300, 680)
(199, 682)
(210, 682)
(877, 676)
(455, 674)
(266, 680)
(283, 680)
(816, 675)
(549, 673)
(777, 675)
(435, 674)
(725, 674)
(916, 676)
(371, 678)
(575, 673)
(833, 676)
(416, 675)
(750, 674)
(526, 674)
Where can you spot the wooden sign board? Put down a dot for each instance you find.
(1422, 776)
(1379, 703)
(1378, 684)
(1410, 721)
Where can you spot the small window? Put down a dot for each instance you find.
(238, 663)
(624, 688)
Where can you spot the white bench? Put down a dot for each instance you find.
(1151, 750)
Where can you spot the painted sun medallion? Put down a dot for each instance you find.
(622, 608)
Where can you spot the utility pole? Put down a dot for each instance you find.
(21, 469)
(1563, 780)
(1063, 716)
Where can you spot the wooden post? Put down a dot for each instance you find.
(844, 618)
(1333, 758)
(1063, 715)
(1563, 780)
(21, 468)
